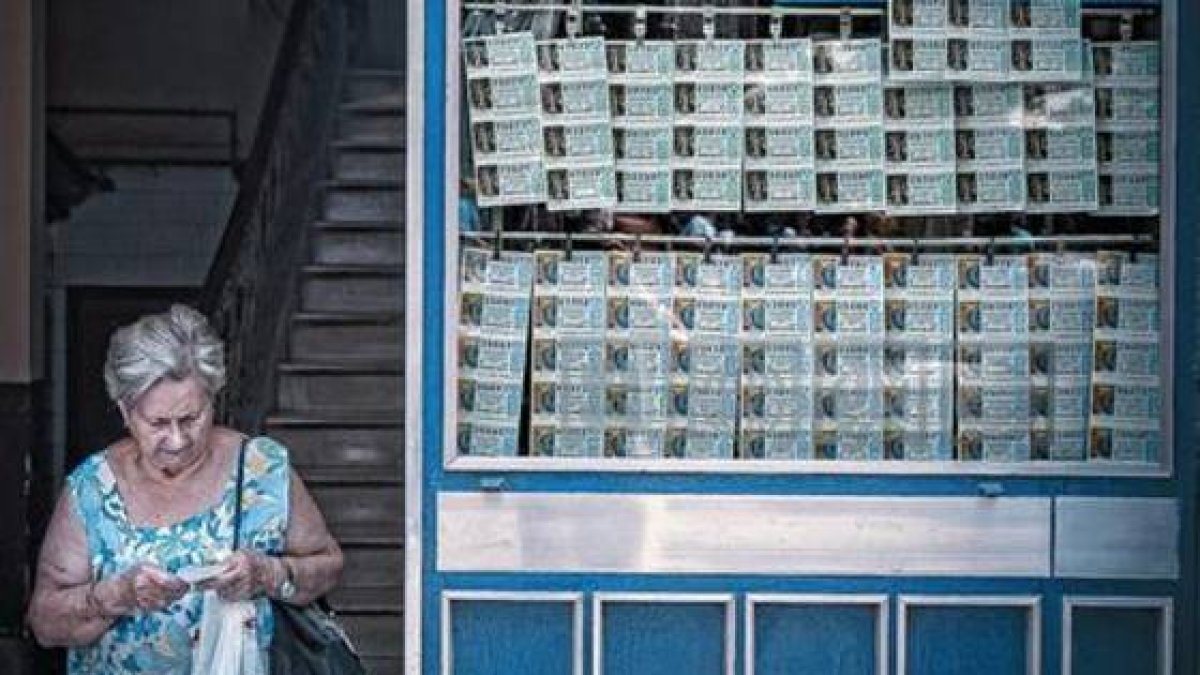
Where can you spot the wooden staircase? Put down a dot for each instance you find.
(340, 390)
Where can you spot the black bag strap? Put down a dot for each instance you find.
(237, 495)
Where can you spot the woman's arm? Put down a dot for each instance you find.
(311, 553)
(63, 611)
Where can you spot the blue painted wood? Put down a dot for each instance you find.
(815, 639)
(1187, 304)
(796, 484)
(432, 317)
(663, 639)
(501, 637)
(966, 640)
(1114, 641)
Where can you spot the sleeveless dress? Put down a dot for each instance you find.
(161, 642)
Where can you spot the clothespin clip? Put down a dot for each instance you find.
(774, 255)
(846, 23)
(573, 17)
(776, 25)
(916, 251)
(1133, 250)
(639, 24)
(498, 242)
(1126, 27)
(569, 247)
(637, 248)
(710, 24)
(848, 228)
(500, 12)
(990, 252)
(708, 245)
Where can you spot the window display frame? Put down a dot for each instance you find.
(452, 461)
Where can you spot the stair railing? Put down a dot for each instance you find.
(251, 285)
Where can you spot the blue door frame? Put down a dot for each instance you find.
(429, 479)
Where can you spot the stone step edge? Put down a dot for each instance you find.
(363, 184)
(348, 318)
(333, 419)
(347, 366)
(345, 270)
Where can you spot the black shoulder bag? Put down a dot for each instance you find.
(307, 640)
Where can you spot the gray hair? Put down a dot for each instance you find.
(175, 344)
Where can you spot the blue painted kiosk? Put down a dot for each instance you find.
(739, 342)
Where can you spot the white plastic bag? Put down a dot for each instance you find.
(228, 643)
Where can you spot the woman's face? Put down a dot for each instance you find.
(171, 423)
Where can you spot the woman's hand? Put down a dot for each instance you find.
(143, 587)
(247, 574)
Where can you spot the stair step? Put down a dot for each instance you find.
(327, 336)
(374, 164)
(372, 566)
(387, 124)
(387, 104)
(376, 600)
(366, 246)
(382, 665)
(306, 386)
(361, 511)
(368, 85)
(364, 200)
(385, 224)
(347, 475)
(318, 449)
(379, 143)
(330, 288)
(379, 639)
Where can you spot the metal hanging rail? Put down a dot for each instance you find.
(1067, 240)
(823, 11)
(673, 9)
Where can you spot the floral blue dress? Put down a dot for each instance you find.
(161, 642)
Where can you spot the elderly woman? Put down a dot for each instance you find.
(156, 506)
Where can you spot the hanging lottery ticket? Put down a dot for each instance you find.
(918, 356)
(848, 137)
(1046, 42)
(505, 129)
(917, 40)
(1127, 383)
(1045, 18)
(642, 102)
(707, 316)
(849, 338)
(969, 19)
(1128, 142)
(707, 143)
(493, 320)
(778, 111)
(1060, 147)
(777, 365)
(989, 146)
(993, 343)
(577, 140)
(567, 399)
(919, 148)
(1061, 308)
(637, 353)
